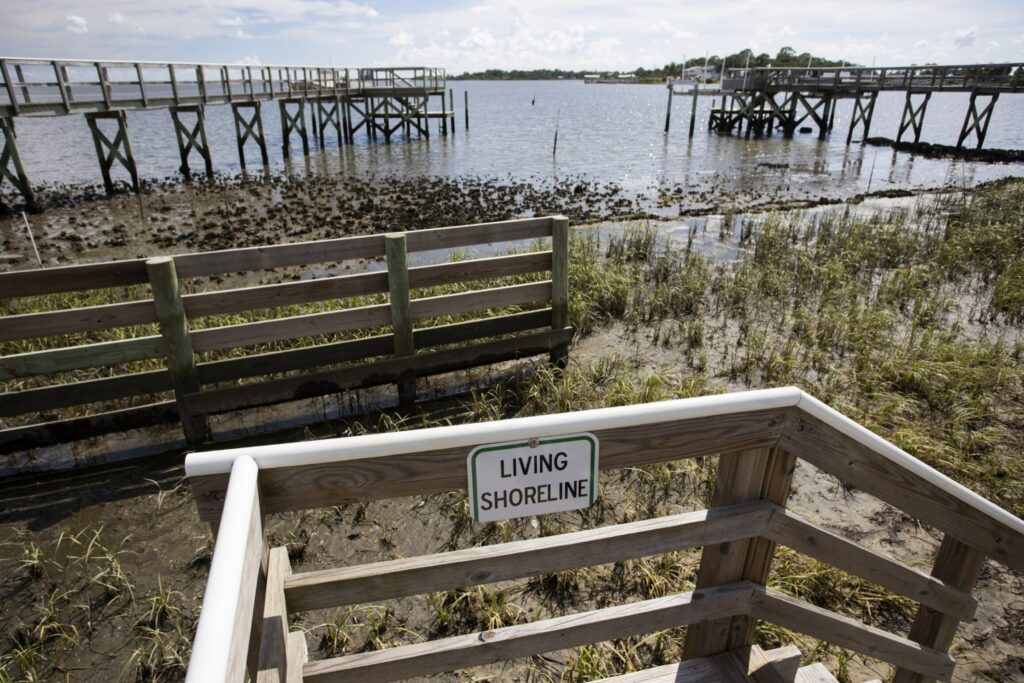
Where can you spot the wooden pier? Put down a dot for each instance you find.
(382, 102)
(760, 100)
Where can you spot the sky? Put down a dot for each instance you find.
(524, 34)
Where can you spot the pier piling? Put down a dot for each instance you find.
(108, 151)
(465, 106)
(11, 167)
(249, 126)
(293, 122)
(977, 122)
(193, 137)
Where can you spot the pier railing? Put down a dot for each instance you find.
(757, 436)
(40, 87)
(184, 364)
(981, 78)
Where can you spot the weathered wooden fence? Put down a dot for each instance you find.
(757, 436)
(189, 388)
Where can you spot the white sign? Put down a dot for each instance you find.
(533, 477)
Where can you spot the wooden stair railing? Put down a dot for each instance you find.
(252, 590)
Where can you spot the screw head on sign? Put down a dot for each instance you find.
(534, 442)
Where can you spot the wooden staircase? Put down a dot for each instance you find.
(781, 665)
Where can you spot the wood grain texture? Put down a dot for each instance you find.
(560, 272)
(273, 660)
(957, 565)
(439, 335)
(72, 320)
(354, 480)
(53, 361)
(250, 334)
(371, 374)
(480, 300)
(401, 315)
(862, 468)
(297, 656)
(502, 562)
(79, 393)
(815, 541)
(849, 633)
(286, 294)
(740, 479)
(72, 278)
(479, 269)
(701, 670)
(524, 640)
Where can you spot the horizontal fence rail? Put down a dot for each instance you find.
(757, 436)
(181, 346)
(43, 87)
(982, 78)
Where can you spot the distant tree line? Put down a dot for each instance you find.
(787, 56)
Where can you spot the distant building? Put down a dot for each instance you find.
(701, 73)
(610, 78)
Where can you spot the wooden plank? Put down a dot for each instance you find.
(122, 273)
(294, 359)
(251, 334)
(851, 634)
(480, 300)
(459, 652)
(480, 269)
(701, 670)
(273, 662)
(861, 467)
(815, 672)
(286, 294)
(297, 656)
(437, 470)
(53, 361)
(506, 561)
(740, 479)
(439, 335)
(815, 541)
(181, 361)
(372, 374)
(72, 320)
(401, 315)
(479, 233)
(957, 565)
(78, 393)
(64, 431)
(72, 278)
(751, 663)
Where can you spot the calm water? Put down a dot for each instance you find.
(606, 132)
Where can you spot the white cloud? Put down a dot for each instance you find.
(402, 39)
(240, 34)
(921, 44)
(345, 7)
(250, 60)
(234, 21)
(965, 37)
(116, 18)
(77, 24)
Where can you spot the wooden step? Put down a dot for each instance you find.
(737, 666)
(815, 673)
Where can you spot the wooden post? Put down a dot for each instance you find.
(693, 108)
(668, 108)
(465, 106)
(958, 565)
(559, 284)
(274, 654)
(401, 313)
(170, 311)
(444, 115)
(10, 157)
(451, 107)
(742, 476)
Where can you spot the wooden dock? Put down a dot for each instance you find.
(382, 102)
(760, 100)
